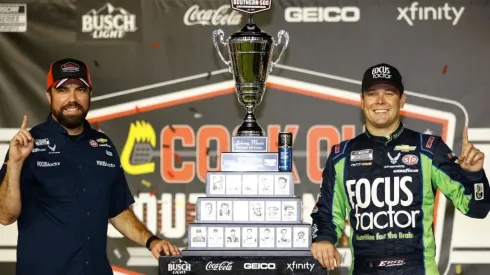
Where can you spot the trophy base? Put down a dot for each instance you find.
(250, 127)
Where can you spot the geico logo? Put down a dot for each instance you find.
(322, 14)
(259, 266)
(366, 194)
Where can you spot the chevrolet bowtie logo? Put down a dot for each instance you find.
(405, 148)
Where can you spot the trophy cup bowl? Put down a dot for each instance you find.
(250, 53)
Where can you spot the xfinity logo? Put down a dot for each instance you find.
(414, 12)
(105, 163)
(322, 14)
(47, 164)
(300, 266)
(257, 266)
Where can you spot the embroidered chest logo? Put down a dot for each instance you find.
(53, 149)
(394, 160)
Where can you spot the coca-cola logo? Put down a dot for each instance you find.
(224, 15)
(219, 266)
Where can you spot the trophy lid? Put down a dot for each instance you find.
(251, 30)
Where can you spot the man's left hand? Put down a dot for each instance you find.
(471, 159)
(159, 247)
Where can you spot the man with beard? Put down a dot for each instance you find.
(62, 182)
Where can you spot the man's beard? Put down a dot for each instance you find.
(70, 121)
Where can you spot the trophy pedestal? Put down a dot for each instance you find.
(250, 127)
(241, 262)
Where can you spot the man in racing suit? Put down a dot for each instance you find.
(384, 182)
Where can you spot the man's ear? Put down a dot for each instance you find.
(362, 100)
(403, 99)
(48, 95)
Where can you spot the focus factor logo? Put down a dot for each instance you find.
(251, 6)
(381, 72)
(368, 220)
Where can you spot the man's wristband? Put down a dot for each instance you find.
(151, 239)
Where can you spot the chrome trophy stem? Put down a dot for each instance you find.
(250, 126)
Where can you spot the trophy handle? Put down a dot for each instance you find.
(280, 35)
(220, 34)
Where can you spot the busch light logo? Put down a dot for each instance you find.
(108, 22)
(179, 267)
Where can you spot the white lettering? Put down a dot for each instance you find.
(374, 193)
(108, 22)
(173, 217)
(221, 16)
(298, 266)
(259, 266)
(221, 266)
(392, 263)
(47, 164)
(105, 163)
(362, 195)
(446, 12)
(322, 14)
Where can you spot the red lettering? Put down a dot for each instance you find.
(316, 134)
(169, 172)
(172, 172)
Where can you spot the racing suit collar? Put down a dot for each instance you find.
(386, 140)
(56, 126)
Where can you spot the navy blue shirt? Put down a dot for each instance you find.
(70, 187)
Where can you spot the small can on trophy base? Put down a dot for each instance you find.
(285, 152)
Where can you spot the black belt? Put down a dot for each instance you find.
(389, 261)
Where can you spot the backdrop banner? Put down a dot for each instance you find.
(167, 101)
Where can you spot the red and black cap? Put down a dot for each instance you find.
(68, 68)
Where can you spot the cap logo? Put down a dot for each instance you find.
(381, 72)
(70, 67)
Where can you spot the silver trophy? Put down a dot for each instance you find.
(250, 51)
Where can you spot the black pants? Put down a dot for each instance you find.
(403, 265)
